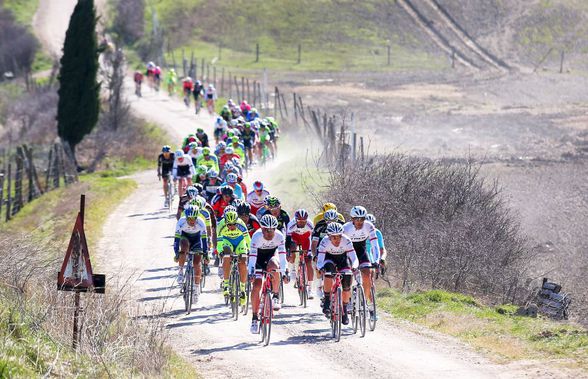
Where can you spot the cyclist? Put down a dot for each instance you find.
(244, 212)
(248, 137)
(183, 170)
(226, 114)
(336, 254)
(209, 160)
(190, 236)
(220, 201)
(383, 253)
(197, 92)
(202, 137)
(274, 132)
(273, 206)
(220, 128)
(233, 238)
(265, 243)
(211, 185)
(210, 96)
(264, 141)
(150, 72)
(325, 208)
(318, 233)
(188, 87)
(232, 183)
(256, 197)
(252, 115)
(165, 165)
(201, 175)
(245, 108)
(298, 233)
(360, 231)
(228, 156)
(138, 78)
(157, 77)
(187, 141)
(171, 78)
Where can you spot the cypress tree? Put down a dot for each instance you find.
(79, 91)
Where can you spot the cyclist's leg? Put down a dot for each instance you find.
(346, 279)
(197, 267)
(241, 250)
(366, 277)
(226, 249)
(165, 179)
(273, 266)
(309, 268)
(184, 247)
(255, 295)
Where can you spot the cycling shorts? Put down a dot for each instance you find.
(240, 249)
(195, 243)
(302, 240)
(336, 263)
(247, 144)
(183, 171)
(362, 255)
(272, 136)
(166, 170)
(264, 256)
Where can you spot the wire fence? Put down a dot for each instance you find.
(26, 174)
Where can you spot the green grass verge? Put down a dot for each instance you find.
(23, 10)
(496, 330)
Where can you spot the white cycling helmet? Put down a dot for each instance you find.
(334, 228)
(331, 215)
(371, 218)
(358, 212)
(229, 208)
(179, 154)
(268, 221)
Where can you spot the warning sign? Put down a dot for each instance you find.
(76, 270)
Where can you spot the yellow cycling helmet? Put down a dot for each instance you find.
(329, 206)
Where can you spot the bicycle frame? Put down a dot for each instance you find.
(266, 309)
(336, 307)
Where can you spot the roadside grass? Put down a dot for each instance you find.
(496, 330)
(23, 10)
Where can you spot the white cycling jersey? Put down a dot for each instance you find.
(293, 228)
(258, 242)
(184, 228)
(327, 247)
(367, 231)
(184, 168)
(256, 200)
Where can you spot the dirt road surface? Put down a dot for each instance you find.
(137, 243)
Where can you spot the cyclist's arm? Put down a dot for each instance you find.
(282, 255)
(252, 257)
(375, 249)
(383, 252)
(159, 165)
(203, 235)
(178, 235)
(175, 170)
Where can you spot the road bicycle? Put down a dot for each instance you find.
(170, 192)
(234, 287)
(301, 279)
(266, 309)
(374, 315)
(189, 289)
(358, 306)
(336, 309)
(247, 297)
(205, 272)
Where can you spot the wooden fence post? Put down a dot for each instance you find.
(56, 173)
(295, 108)
(260, 96)
(561, 62)
(1, 191)
(243, 88)
(361, 149)
(208, 72)
(254, 94)
(9, 191)
(284, 103)
(202, 69)
(256, 52)
(48, 173)
(222, 86)
(299, 54)
(18, 202)
(191, 72)
(389, 60)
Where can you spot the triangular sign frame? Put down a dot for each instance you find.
(72, 276)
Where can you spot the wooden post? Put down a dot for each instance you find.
(202, 69)
(389, 60)
(208, 72)
(354, 142)
(1, 191)
(243, 88)
(260, 96)
(191, 71)
(284, 103)
(9, 191)
(295, 108)
(453, 58)
(561, 62)
(56, 173)
(248, 91)
(75, 336)
(196, 69)
(256, 52)
(18, 183)
(254, 94)
(239, 98)
(66, 181)
(48, 173)
(38, 190)
(222, 86)
(361, 149)
(299, 53)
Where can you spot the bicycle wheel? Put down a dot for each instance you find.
(234, 293)
(354, 311)
(247, 297)
(302, 283)
(361, 311)
(262, 326)
(268, 311)
(373, 303)
(281, 294)
(189, 292)
(203, 276)
(338, 314)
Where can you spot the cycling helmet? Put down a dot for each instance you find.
(198, 82)
(193, 145)
(231, 217)
(243, 209)
(199, 130)
(236, 203)
(371, 218)
(232, 178)
(253, 110)
(358, 212)
(221, 145)
(257, 185)
(206, 151)
(212, 174)
(211, 86)
(166, 149)
(301, 214)
(229, 150)
(230, 102)
(190, 212)
(198, 187)
(334, 228)
(229, 208)
(331, 215)
(235, 139)
(179, 154)
(247, 125)
(228, 165)
(226, 190)
(272, 201)
(192, 192)
(327, 206)
(201, 170)
(268, 222)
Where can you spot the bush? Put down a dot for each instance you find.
(444, 226)
(17, 45)
(129, 21)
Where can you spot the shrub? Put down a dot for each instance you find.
(17, 45)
